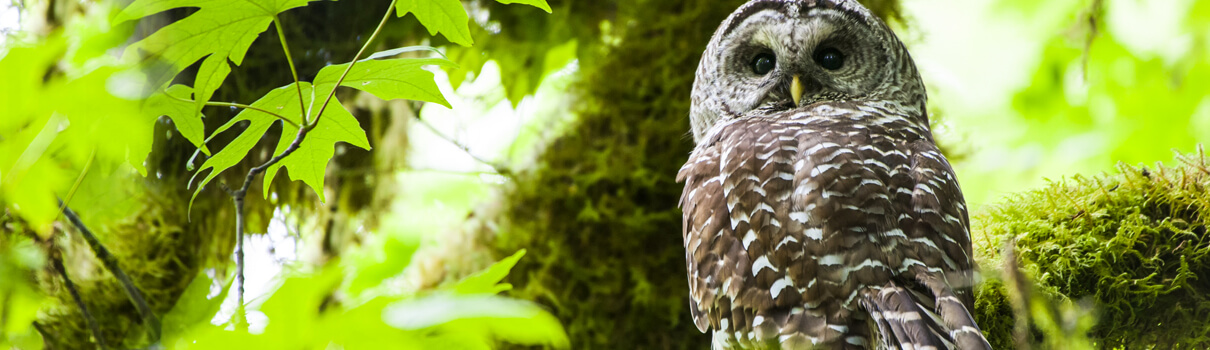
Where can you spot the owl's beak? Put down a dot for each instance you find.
(796, 90)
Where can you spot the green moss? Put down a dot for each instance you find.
(160, 256)
(1132, 244)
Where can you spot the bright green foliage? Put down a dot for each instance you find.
(439, 16)
(306, 164)
(536, 3)
(220, 31)
(56, 118)
(20, 301)
(174, 103)
(1133, 246)
(303, 313)
(449, 18)
(390, 79)
(193, 308)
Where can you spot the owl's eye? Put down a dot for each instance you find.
(763, 64)
(830, 58)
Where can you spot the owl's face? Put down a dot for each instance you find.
(777, 55)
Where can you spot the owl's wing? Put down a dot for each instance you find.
(740, 235)
(942, 219)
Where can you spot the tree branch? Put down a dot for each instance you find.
(57, 261)
(111, 263)
(500, 168)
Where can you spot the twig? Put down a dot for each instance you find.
(111, 263)
(238, 195)
(57, 261)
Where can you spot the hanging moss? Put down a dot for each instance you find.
(1131, 244)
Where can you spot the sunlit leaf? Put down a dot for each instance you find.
(393, 52)
(440, 16)
(311, 158)
(174, 103)
(193, 307)
(535, 3)
(380, 262)
(517, 321)
(401, 78)
(222, 30)
(487, 281)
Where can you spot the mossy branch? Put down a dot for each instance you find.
(150, 321)
(57, 261)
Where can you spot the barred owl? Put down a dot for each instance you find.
(818, 212)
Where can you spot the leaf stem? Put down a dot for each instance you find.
(381, 24)
(239, 105)
(281, 35)
(57, 261)
(79, 179)
(111, 263)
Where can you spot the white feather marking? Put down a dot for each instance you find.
(761, 263)
(831, 259)
(820, 169)
(780, 284)
(785, 241)
(813, 233)
(748, 238)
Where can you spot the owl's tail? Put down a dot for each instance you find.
(908, 319)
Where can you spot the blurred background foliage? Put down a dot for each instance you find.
(565, 132)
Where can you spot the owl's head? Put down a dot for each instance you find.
(776, 55)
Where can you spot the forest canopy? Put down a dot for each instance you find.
(502, 173)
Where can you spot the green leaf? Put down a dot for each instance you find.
(193, 308)
(310, 161)
(486, 316)
(440, 16)
(174, 103)
(389, 79)
(375, 263)
(209, 77)
(222, 30)
(311, 158)
(535, 3)
(486, 281)
(396, 51)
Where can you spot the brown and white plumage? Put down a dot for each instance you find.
(833, 221)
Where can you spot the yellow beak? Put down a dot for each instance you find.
(796, 90)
